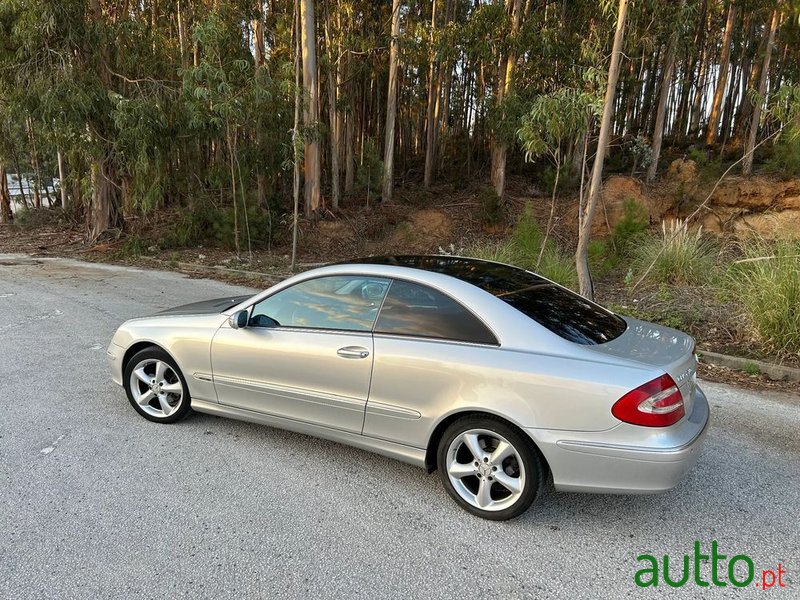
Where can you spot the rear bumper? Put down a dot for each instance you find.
(626, 459)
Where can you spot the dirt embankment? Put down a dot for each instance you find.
(739, 205)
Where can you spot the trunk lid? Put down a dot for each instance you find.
(661, 347)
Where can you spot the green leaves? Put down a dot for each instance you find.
(555, 118)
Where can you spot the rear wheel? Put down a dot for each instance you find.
(489, 468)
(155, 386)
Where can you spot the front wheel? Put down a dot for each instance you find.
(155, 386)
(489, 468)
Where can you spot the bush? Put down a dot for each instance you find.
(490, 209)
(785, 161)
(676, 256)
(523, 249)
(207, 224)
(767, 283)
(631, 227)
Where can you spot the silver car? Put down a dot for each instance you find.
(489, 373)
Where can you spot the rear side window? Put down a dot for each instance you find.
(417, 310)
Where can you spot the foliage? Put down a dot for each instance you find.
(528, 248)
(490, 209)
(209, 224)
(630, 229)
(767, 283)
(676, 256)
(642, 152)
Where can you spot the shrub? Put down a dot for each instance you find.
(207, 224)
(767, 283)
(523, 250)
(490, 209)
(630, 228)
(676, 256)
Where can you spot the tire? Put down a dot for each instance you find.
(489, 484)
(156, 387)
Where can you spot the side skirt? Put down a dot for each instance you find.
(406, 454)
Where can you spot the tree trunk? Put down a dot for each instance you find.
(434, 84)
(747, 161)
(350, 159)
(722, 81)
(6, 214)
(295, 137)
(62, 179)
(505, 82)
(103, 213)
(586, 287)
(333, 113)
(311, 112)
(391, 108)
(666, 86)
(697, 102)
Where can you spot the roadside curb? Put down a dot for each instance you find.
(771, 370)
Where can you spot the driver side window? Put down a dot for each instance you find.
(342, 302)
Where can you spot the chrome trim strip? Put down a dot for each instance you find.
(390, 410)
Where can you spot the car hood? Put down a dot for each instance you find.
(205, 307)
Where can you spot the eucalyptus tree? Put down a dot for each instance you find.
(554, 123)
(585, 285)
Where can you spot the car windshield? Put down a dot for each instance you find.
(561, 311)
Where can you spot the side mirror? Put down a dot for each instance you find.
(238, 320)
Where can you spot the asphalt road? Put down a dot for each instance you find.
(97, 502)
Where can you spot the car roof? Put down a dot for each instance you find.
(493, 277)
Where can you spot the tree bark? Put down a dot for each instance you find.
(586, 287)
(62, 179)
(506, 78)
(333, 113)
(666, 86)
(6, 214)
(434, 84)
(295, 136)
(722, 81)
(311, 112)
(103, 214)
(747, 161)
(391, 108)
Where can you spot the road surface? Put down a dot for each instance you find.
(97, 502)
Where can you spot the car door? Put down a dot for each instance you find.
(431, 352)
(306, 353)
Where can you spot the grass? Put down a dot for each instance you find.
(766, 283)
(676, 256)
(751, 369)
(528, 248)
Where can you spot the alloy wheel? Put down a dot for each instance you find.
(156, 388)
(485, 469)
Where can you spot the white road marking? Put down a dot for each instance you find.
(49, 449)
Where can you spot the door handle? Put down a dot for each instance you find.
(353, 352)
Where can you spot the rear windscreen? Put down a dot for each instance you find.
(566, 314)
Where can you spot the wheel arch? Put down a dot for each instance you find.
(438, 431)
(141, 345)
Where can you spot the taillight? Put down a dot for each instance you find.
(657, 403)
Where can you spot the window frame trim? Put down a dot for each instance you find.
(391, 279)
